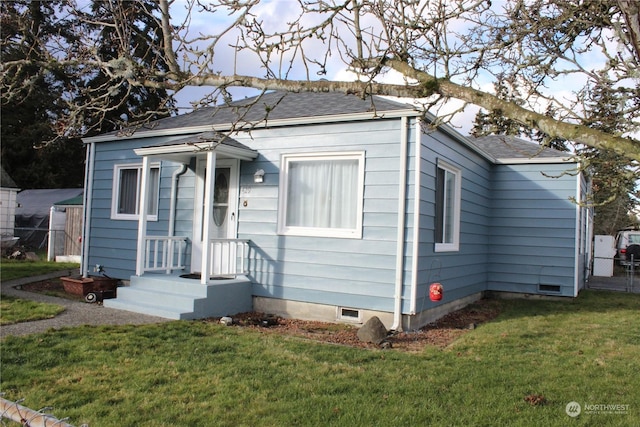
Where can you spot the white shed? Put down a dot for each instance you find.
(8, 204)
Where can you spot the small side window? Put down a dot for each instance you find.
(447, 219)
(125, 199)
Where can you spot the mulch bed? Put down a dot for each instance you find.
(439, 334)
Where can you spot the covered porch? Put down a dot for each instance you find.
(201, 274)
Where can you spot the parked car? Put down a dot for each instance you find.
(624, 239)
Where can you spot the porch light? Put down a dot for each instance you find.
(258, 177)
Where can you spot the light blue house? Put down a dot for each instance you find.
(327, 206)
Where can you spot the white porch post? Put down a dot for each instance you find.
(142, 214)
(209, 182)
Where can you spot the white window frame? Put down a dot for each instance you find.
(350, 233)
(454, 245)
(115, 194)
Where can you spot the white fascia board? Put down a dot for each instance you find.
(268, 124)
(535, 160)
(200, 147)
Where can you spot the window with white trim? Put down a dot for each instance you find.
(125, 201)
(447, 221)
(321, 194)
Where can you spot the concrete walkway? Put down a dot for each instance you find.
(76, 313)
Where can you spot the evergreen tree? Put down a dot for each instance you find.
(39, 150)
(32, 154)
(614, 179)
(495, 122)
(542, 138)
(126, 104)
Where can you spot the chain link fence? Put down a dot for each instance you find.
(14, 411)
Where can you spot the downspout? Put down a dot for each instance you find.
(86, 208)
(51, 240)
(402, 192)
(578, 272)
(416, 217)
(174, 198)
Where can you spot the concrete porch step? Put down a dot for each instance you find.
(169, 284)
(178, 298)
(139, 307)
(159, 297)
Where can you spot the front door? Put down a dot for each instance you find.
(223, 218)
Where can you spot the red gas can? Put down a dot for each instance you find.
(435, 292)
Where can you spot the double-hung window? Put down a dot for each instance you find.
(447, 224)
(321, 194)
(125, 202)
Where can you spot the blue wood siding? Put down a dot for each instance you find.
(517, 226)
(113, 242)
(462, 272)
(357, 273)
(533, 229)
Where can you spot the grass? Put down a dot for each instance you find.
(520, 370)
(15, 310)
(11, 269)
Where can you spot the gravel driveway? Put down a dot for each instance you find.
(76, 313)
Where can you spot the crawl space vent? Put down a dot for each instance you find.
(549, 288)
(350, 314)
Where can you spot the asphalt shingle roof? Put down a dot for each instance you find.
(210, 136)
(511, 147)
(280, 105)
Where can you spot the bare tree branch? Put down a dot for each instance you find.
(556, 51)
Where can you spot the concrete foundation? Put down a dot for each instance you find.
(425, 317)
(331, 313)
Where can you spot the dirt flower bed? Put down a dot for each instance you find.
(440, 333)
(53, 287)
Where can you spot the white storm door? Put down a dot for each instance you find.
(224, 213)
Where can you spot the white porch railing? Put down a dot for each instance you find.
(229, 257)
(164, 253)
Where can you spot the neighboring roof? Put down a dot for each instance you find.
(74, 201)
(270, 107)
(5, 180)
(511, 148)
(39, 202)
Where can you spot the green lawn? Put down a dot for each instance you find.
(15, 269)
(15, 310)
(522, 369)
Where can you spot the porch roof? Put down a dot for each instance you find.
(183, 149)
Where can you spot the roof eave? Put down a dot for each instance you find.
(534, 160)
(388, 114)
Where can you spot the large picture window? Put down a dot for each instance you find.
(447, 224)
(321, 194)
(126, 191)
